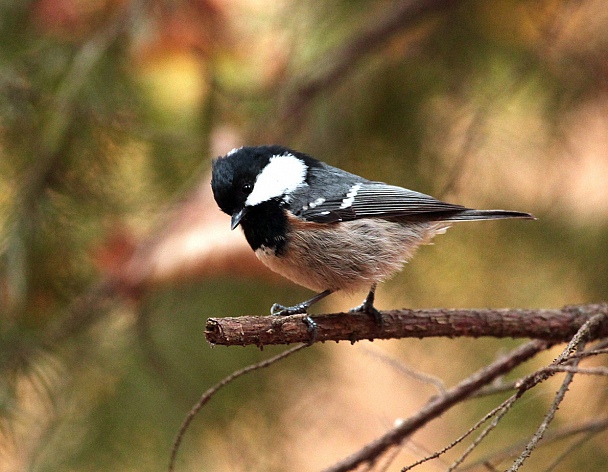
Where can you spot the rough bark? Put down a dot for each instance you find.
(554, 325)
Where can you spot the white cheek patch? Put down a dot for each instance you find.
(282, 174)
(350, 196)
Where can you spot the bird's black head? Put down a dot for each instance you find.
(233, 177)
(249, 176)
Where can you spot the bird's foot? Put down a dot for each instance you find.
(299, 309)
(369, 309)
(280, 310)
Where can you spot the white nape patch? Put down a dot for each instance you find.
(233, 151)
(350, 196)
(283, 174)
(317, 202)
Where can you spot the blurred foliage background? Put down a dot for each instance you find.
(113, 255)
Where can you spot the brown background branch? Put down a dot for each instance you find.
(344, 59)
(547, 324)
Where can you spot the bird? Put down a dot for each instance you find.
(325, 228)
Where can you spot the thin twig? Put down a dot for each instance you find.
(504, 408)
(578, 370)
(499, 409)
(576, 343)
(598, 349)
(438, 405)
(506, 405)
(585, 332)
(213, 390)
(588, 353)
(596, 426)
(559, 396)
(538, 435)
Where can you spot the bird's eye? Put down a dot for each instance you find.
(247, 188)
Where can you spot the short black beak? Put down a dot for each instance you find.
(237, 216)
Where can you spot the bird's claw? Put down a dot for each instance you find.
(299, 309)
(280, 310)
(312, 327)
(370, 310)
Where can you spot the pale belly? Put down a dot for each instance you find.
(349, 255)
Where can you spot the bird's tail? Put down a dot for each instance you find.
(472, 215)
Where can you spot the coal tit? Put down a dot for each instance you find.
(324, 228)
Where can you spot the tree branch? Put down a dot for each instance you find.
(475, 382)
(205, 397)
(440, 404)
(555, 325)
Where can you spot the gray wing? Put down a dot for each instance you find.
(365, 199)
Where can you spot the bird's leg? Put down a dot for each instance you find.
(368, 307)
(301, 308)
